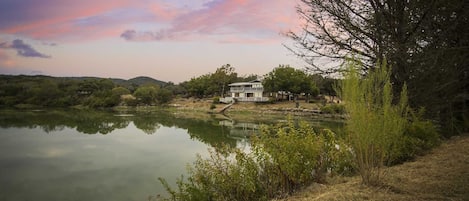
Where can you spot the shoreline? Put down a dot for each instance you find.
(278, 108)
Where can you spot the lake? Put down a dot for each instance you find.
(106, 155)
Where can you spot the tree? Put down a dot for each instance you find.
(425, 42)
(119, 91)
(213, 84)
(288, 79)
(222, 77)
(163, 95)
(146, 94)
(198, 86)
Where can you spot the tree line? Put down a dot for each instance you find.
(45, 91)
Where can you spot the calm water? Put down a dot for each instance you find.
(96, 155)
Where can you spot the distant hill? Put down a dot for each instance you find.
(134, 82)
(145, 80)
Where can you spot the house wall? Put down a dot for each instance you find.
(248, 92)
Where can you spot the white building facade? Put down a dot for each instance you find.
(246, 92)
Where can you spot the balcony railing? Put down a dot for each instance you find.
(245, 89)
(244, 99)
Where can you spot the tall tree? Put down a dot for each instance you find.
(222, 77)
(426, 42)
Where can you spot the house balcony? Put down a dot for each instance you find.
(244, 99)
(245, 89)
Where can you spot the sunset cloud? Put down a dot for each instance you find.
(127, 38)
(64, 19)
(248, 20)
(141, 20)
(23, 49)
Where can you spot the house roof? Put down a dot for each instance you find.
(244, 83)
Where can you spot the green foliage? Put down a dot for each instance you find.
(213, 106)
(214, 84)
(119, 91)
(286, 78)
(375, 126)
(163, 96)
(146, 94)
(295, 156)
(197, 87)
(44, 91)
(419, 136)
(333, 109)
(284, 157)
(216, 100)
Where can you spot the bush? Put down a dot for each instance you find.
(419, 136)
(285, 157)
(212, 106)
(298, 156)
(375, 126)
(333, 109)
(216, 100)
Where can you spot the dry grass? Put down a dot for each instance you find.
(442, 174)
(204, 105)
(245, 111)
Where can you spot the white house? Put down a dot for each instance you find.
(252, 91)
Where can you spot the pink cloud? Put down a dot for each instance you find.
(52, 19)
(137, 20)
(227, 20)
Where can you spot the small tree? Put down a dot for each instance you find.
(374, 124)
(146, 94)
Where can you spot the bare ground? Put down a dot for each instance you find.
(442, 174)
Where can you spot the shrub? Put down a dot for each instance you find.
(229, 174)
(374, 126)
(284, 157)
(333, 109)
(216, 100)
(419, 136)
(212, 106)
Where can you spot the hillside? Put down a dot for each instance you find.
(137, 81)
(442, 174)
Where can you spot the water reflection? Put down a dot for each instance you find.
(104, 155)
(210, 131)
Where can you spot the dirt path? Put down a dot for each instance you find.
(442, 174)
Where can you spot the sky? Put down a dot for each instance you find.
(169, 40)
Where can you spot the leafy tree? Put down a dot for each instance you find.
(118, 91)
(222, 77)
(425, 42)
(176, 89)
(146, 94)
(163, 95)
(214, 84)
(198, 86)
(286, 78)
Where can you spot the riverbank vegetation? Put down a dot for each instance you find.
(288, 157)
(90, 92)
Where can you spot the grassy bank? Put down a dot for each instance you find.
(442, 174)
(255, 109)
